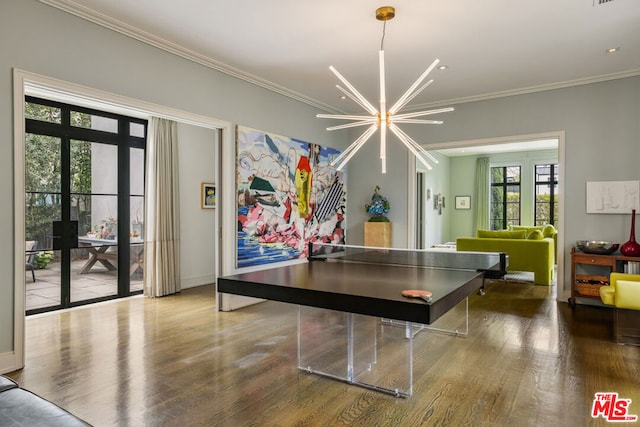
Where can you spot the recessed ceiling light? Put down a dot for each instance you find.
(613, 50)
(443, 67)
(343, 97)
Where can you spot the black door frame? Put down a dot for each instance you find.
(124, 142)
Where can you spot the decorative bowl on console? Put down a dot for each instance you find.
(597, 247)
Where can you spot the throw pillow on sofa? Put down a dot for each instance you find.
(528, 228)
(548, 230)
(502, 234)
(535, 235)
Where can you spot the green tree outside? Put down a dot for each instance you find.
(42, 176)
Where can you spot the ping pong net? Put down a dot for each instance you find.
(492, 262)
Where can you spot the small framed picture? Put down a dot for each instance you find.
(463, 202)
(208, 195)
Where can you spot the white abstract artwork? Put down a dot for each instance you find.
(613, 197)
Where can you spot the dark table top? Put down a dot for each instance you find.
(365, 288)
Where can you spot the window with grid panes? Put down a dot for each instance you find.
(546, 194)
(505, 197)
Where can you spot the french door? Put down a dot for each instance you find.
(84, 198)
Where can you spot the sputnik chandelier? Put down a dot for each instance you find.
(383, 118)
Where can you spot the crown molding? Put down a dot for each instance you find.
(98, 18)
(116, 25)
(531, 89)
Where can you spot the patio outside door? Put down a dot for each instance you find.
(84, 181)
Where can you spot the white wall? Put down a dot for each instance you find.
(40, 39)
(197, 163)
(365, 169)
(438, 180)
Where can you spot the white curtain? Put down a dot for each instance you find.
(482, 195)
(162, 211)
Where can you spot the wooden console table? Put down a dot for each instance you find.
(588, 285)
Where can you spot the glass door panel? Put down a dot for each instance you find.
(43, 199)
(94, 204)
(94, 271)
(136, 243)
(42, 277)
(136, 225)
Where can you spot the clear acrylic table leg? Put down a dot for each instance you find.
(355, 348)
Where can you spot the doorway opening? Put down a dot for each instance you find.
(455, 176)
(461, 182)
(31, 84)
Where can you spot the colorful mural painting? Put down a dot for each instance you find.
(288, 195)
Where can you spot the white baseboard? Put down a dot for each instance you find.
(192, 282)
(233, 302)
(9, 362)
(563, 295)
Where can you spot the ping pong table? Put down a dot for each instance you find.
(351, 305)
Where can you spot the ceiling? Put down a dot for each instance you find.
(492, 48)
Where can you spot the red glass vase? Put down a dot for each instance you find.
(631, 248)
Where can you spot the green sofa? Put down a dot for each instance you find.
(547, 231)
(535, 254)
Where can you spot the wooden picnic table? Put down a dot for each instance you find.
(99, 251)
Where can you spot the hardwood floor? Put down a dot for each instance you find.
(176, 361)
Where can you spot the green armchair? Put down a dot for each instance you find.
(623, 293)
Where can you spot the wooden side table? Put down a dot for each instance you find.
(588, 285)
(377, 234)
